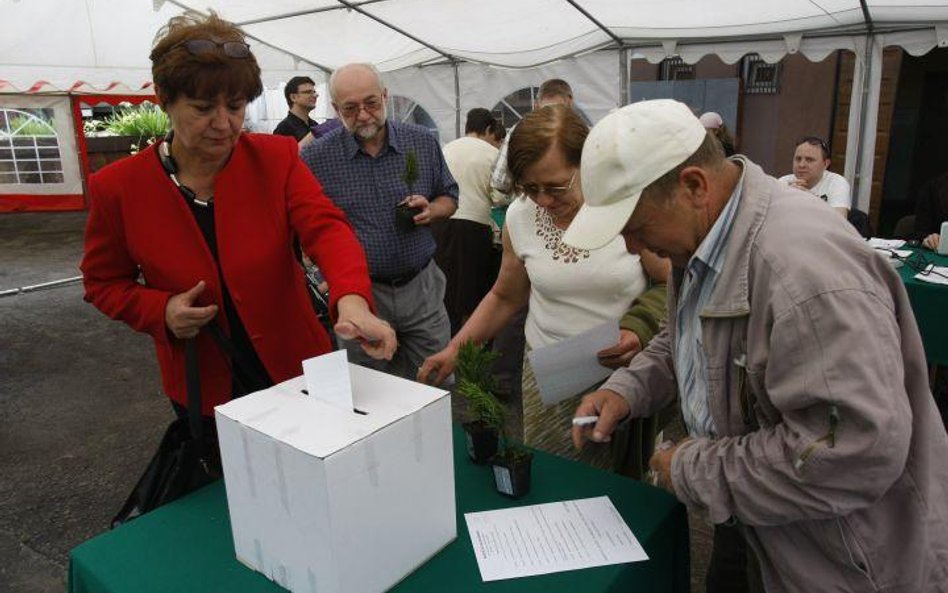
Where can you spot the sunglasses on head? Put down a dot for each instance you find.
(814, 141)
(231, 49)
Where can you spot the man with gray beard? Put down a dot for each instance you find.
(391, 180)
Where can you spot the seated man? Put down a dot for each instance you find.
(810, 161)
(931, 209)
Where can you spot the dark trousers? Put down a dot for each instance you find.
(733, 567)
(470, 262)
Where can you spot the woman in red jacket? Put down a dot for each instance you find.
(200, 226)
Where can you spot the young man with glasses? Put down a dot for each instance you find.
(810, 162)
(301, 97)
(366, 169)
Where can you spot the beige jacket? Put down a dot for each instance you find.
(829, 447)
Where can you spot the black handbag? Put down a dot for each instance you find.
(187, 458)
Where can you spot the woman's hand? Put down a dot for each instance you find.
(183, 318)
(619, 355)
(441, 364)
(357, 322)
(931, 241)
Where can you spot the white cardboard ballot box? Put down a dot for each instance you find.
(323, 500)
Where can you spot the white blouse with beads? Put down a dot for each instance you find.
(571, 290)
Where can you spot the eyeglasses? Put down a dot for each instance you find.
(372, 105)
(231, 49)
(918, 262)
(554, 191)
(815, 141)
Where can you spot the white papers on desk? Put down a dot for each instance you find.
(877, 243)
(566, 368)
(553, 537)
(937, 275)
(895, 253)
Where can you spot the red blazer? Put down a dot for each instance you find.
(138, 222)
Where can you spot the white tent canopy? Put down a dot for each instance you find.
(103, 45)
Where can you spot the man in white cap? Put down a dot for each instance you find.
(793, 350)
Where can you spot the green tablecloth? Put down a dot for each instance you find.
(186, 546)
(930, 304)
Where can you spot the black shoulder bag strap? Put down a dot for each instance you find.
(235, 357)
(193, 380)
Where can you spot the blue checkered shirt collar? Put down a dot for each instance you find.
(392, 141)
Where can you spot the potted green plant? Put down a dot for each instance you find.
(146, 123)
(124, 133)
(487, 434)
(405, 214)
(486, 413)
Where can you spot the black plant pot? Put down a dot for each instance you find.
(512, 472)
(481, 441)
(405, 216)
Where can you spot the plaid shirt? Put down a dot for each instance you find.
(368, 188)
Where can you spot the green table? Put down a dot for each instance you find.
(186, 546)
(930, 304)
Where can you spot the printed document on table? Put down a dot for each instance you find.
(552, 537)
(566, 368)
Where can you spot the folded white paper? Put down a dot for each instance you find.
(564, 369)
(327, 379)
(552, 537)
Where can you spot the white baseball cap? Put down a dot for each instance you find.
(624, 153)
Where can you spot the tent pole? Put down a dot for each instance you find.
(624, 53)
(864, 113)
(868, 115)
(457, 100)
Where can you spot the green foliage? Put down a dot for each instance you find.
(145, 122)
(483, 405)
(30, 126)
(474, 364)
(476, 384)
(410, 174)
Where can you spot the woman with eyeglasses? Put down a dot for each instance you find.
(569, 290)
(199, 227)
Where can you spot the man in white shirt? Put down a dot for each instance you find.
(810, 161)
(466, 252)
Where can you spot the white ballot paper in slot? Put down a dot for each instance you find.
(327, 378)
(566, 368)
(552, 537)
